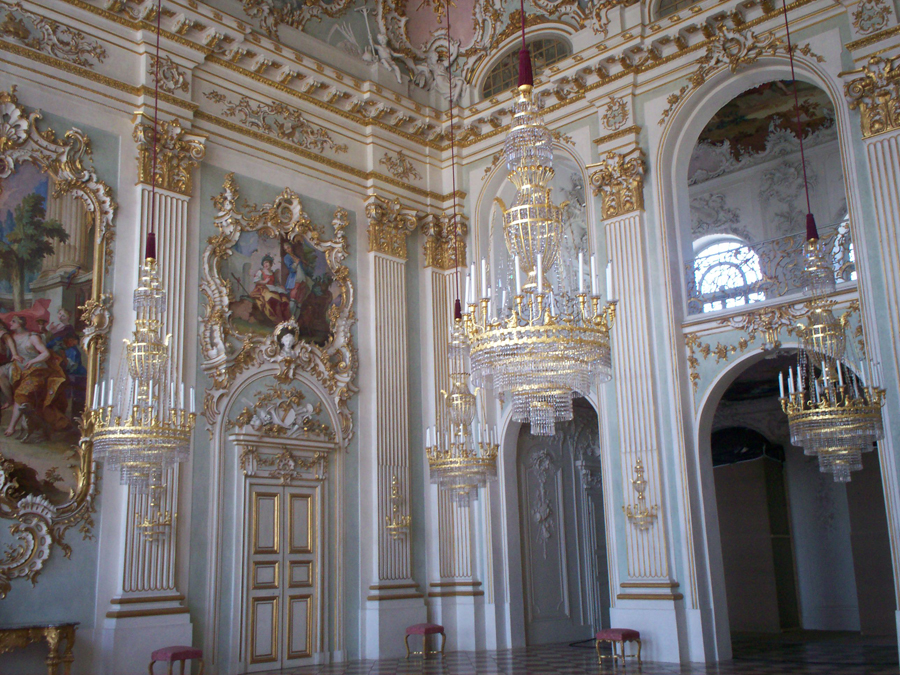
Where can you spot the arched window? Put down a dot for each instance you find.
(667, 7)
(545, 51)
(727, 274)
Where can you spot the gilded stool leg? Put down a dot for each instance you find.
(639, 650)
(424, 646)
(406, 640)
(443, 642)
(200, 672)
(150, 667)
(596, 646)
(170, 667)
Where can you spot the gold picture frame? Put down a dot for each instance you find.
(272, 329)
(39, 522)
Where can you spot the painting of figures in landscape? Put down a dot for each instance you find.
(276, 279)
(46, 271)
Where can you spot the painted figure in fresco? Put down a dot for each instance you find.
(270, 297)
(35, 382)
(297, 282)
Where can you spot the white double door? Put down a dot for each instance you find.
(280, 590)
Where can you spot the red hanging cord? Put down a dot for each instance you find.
(150, 247)
(811, 231)
(457, 307)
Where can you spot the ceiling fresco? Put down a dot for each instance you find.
(745, 122)
(409, 39)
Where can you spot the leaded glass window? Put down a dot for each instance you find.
(727, 274)
(505, 73)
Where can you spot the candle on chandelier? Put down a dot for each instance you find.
(181, 397)
(594, 275)
(609, 291)
(468, 282)
(518, 277)
(540, 273)
(427, 437)
(103, 391)
(790, 380)
(96, 399)
(478, 433)
(580, 272)
(840, 375)
(193, 404)
(781, 385)
(484, 293)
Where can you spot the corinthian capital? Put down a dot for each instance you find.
(876, 93)
(177, 153)
(445, 240)
(390, 223)
(619, 179)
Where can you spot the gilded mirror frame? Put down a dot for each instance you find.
(39, 524)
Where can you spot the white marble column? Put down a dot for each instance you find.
(393, 599)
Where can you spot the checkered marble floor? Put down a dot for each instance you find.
(762, 655)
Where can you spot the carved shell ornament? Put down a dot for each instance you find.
(51, 186)
(277, 293)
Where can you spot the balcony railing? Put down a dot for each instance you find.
(730, 274)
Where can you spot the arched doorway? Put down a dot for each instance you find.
(804, 558)
(562, 531)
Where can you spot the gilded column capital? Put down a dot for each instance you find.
(876, 93)
(445, 240)
(178, 152)
(619, 179)
(390, 223)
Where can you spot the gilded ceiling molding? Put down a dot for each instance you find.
(390, 223)
(178, 152)
(171, 76)
(877, 96)
(228, 351)
(39, 522)
(620, 181)
(731, 45)
(597, 16)
(283, 412)
(445, 240)
(871, 16)
(279, 120)
(51, 37)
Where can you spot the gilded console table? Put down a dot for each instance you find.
(18, 637)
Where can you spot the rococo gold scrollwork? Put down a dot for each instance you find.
(40, 522)
(177, 153)
(731, 46)
(228, 351)
(620, 181)
(877, 96)
(48, 36)
(390, 223)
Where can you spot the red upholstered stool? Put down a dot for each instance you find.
(178, 653)
(618, 636)
(425, 629)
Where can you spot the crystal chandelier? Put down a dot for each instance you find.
(831, 413)
(462, 456)
(140, 422)
(539, 339)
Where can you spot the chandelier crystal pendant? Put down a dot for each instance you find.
(831, 413)
(462, 456)
(538, 339)
(141, 422)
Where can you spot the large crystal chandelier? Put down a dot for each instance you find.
(832, 413)
(462, 456)
(539, 339)
(140, 421)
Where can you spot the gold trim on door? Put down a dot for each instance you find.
(290, 630)
(307, 545)
(257, 584)
(273, 648)
(309, 575)
(257, 498)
